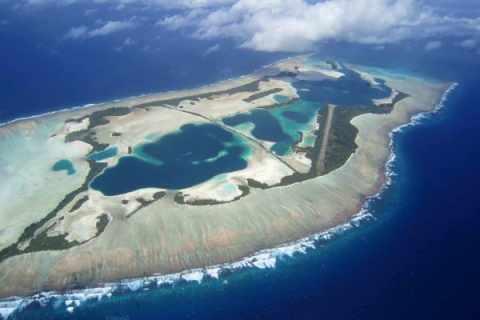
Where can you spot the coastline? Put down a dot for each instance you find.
(135, 99)
(263, 259)
(382, 180)
(147, 97)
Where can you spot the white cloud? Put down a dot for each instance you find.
(433, 45)
(44, 2)
(297, 25)
(76, 32)
(468, 43)
(121, 4)
(128, 42)
(90, 12)
(107, 28)
(186, 3)
(293, 25)
(111, 27)
(211, 50)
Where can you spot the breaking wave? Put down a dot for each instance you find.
(414, 120)
(46, 114)
(264, 259)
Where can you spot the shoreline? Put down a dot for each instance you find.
(108, 103)
(265, 258)
(262, 259)
(339, 219)
(180, 92)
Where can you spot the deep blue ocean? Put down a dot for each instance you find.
(417, 260)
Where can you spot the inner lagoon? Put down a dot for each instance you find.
(64, 165)
(182, 159)
(284, 125)
(104, 154)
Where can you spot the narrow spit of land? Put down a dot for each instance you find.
(320, 169)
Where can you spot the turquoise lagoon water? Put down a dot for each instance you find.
(266, 127)
(281, 98)
(105, 154)
(64, 165)
(283, 125)
(182, 159)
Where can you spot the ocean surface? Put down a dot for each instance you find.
(416, 259)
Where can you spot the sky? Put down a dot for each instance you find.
(266, 25)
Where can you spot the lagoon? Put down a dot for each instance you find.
(283, 124)
(64, 165)
(182, 159)
(104, 154)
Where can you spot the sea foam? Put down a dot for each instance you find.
(414, 121)
(264, 259)
(46, 114)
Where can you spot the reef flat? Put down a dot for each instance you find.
(180, 180)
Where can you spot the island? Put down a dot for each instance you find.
(160, 183)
